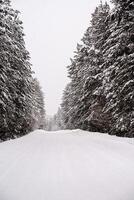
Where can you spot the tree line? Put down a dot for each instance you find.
(21, 98)
(100, 95)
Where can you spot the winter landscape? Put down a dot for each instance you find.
(67, 115)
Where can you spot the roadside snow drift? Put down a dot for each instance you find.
(67, 165)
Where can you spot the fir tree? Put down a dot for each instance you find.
(76, 73)
(87, 104)
(118, 76)
(95, 118)
(59, 119)
(16, 92)
(67, 108)
(38, 106)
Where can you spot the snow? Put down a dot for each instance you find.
(67, 165)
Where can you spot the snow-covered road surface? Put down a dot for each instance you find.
(67, 165)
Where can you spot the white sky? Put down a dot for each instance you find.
(53, 28)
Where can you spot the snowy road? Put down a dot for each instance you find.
(67, 165)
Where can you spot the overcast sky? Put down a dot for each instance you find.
(53, 28)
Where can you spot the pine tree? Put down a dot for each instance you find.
(118, 76)
(94, 38)
(59, 119)
(16, 92)
(67, 108)
(38, 106)
(76, 73)
(86, 103)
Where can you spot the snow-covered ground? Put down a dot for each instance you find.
(67, 165)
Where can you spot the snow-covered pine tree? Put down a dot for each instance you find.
(118, 76)
(76, 73)
(87, 105)
(38, 106)
(16, 91)
(6, 103)
(67, 107)
(59, 119)
(94, 119)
